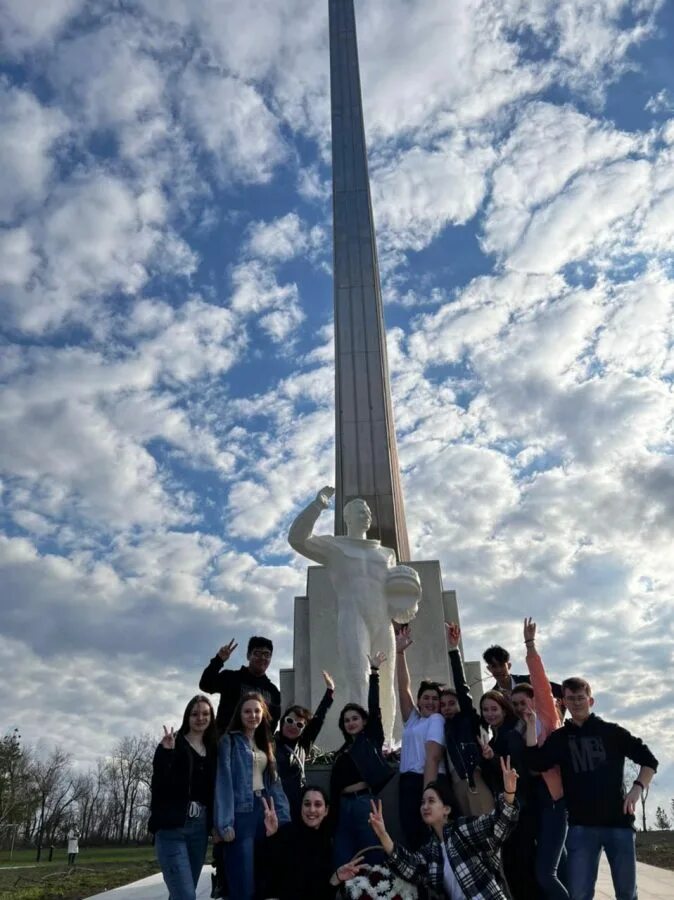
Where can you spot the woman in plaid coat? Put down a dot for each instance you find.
(461, 859)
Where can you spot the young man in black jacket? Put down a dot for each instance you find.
(591, 755)
(231, 684)
(497, 660)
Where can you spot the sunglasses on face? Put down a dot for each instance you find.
(261, 654)
(298, 723)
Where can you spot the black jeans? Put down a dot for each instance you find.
(519, 858)
(410, 792)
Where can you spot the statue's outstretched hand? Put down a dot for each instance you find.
(325, 495)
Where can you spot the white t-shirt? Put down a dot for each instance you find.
(449, 879)
(416, 732)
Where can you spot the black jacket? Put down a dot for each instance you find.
(365, 749)
(171, 782)
(297, 864)
(291, 756)
(555, 687)
(232, 684)
(591, 758)
(462, 730)
(509, 742)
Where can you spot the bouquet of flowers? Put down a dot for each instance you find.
(379, 883)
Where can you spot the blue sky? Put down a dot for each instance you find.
(165, 284)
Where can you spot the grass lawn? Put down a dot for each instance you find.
(656, 848)
(98, 869)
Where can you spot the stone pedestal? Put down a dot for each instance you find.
(315, 646)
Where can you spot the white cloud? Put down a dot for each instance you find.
(419, 192)
(26, 24)
(283, 238)
(235, 125)
(106, 77)
(29, 131)
(256, 292)
(97, 235)
(547, 148)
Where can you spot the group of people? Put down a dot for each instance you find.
(514, 799)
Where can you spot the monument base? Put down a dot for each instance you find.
(315, 646)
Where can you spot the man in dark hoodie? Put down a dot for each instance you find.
(591, 755)
(231, 684)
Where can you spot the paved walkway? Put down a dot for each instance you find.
(654, 884)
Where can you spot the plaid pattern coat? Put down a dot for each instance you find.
(472, 845)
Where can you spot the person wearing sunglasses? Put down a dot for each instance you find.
(294, 739)
(232, 684)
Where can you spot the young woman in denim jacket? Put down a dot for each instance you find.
(249, 800)
(181, 807)
(358, 773)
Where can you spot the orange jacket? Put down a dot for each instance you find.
(547, 714)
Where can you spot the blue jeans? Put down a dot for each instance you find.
(550, 850)
(584, 845)
(240, 853)
(180, 853)
(354, 832)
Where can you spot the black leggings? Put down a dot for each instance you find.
(410, 792)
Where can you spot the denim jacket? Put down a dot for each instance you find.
(234, 783)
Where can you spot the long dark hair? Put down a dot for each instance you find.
(262, 736)
(355, 707)
(211, 733)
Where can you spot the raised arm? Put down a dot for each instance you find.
(546, 708)
(375, 729)
(405, 697)
(300, 536)
(211, 681)
(466, 705)
(539, 759)
(312, 730)
(410, 866)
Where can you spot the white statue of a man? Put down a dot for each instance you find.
(370, 590)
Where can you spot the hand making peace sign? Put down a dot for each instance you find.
(510, 776)
(168, 742)
(227, 649)
(270, 817)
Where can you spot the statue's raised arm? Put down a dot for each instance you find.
(301, 535)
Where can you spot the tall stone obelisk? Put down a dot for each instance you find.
(366, 454)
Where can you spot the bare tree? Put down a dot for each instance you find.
(17, 793)
(127, 775)
(56, 792)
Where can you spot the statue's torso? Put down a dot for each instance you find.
(357, 570)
